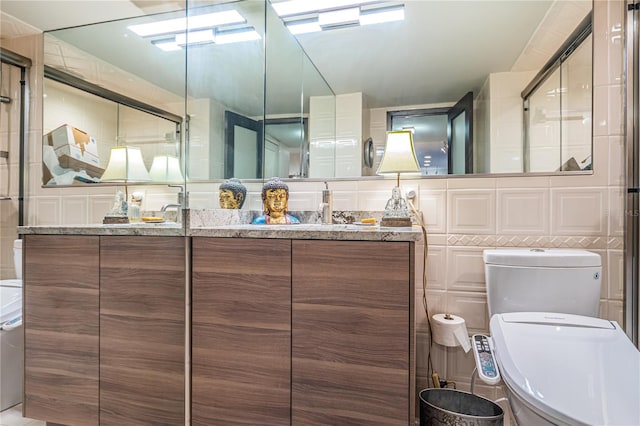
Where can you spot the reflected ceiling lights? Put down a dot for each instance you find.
(219, 27)
(304, 16)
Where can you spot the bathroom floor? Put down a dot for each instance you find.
(13, 417)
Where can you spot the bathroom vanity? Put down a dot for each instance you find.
(104, 323)
(299, 325)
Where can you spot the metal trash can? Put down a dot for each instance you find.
(452, 407)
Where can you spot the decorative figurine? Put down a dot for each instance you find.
(118, 213)
(232, 194)
(396, 212)
(275, 198)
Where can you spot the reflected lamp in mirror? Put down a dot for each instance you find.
(399, 157)
(125, 165)
(166, 168)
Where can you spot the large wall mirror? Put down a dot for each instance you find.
(256, 100)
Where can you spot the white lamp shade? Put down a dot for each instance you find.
(399, 154)
(165, 169)
(125, 164)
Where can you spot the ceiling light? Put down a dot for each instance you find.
(247, 34)
(295, 7)
(215, 19)
(168, 45)
(192, 22)
(378, 16)
(339, 17)
(195, 37)
(304, 27)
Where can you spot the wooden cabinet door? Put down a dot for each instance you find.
(241, 331)
(352, 319)
(61, 323)
(142, 330)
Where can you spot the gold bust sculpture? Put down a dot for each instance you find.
(275, 199)
(232, 194)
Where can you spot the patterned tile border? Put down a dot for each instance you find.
(521, 241)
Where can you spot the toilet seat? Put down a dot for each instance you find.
(10, 303)
(569, 369)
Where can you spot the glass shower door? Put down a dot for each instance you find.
(11, 129)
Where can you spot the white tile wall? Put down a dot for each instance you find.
(471, 211)
(579, 211)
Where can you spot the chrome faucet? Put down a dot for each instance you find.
(179, 206)
(170, 205)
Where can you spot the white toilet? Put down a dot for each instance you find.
(560, 364)
(11, 335)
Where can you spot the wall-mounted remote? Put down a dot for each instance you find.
(485, 361)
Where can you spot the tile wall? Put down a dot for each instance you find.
(463, 215)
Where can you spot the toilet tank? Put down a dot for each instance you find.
(17, 258)
(541, 280)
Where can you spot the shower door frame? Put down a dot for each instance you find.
(24, 64)
(632, 199)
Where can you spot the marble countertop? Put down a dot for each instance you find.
(343, 232)
(236, 224)
(160, 229)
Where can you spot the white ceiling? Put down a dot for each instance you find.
(442, 50)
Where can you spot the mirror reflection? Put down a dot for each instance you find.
(256, 101)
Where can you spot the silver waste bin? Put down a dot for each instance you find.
(452, 407)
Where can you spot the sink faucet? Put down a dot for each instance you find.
(170, 205)
(181, 204)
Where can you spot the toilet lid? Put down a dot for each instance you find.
(10, 303)
(576, 369)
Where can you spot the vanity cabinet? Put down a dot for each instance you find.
(352, 322)
(142, 330)
(302, 332)
(62, 325)
(241, 331)
(104, 320)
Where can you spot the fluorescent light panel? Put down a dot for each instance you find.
(225, 37)
(295, 7)
(337, 17)
(192, 22)
(195, 37)
(345, 16)
(380, 16)
(304, 27)
(167, 45)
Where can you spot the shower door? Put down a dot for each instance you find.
(13, 69)
(632, 207)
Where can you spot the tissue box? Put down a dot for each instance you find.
(75, 149)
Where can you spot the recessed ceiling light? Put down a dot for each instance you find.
(339, 17)
(235, 36)
(379, 16)
(304, 27)
(168, 45)
(192, 22)
(195, 37)
(295, 7)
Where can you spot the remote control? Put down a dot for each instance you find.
(485, 361)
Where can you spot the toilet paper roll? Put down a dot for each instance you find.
(450, 330)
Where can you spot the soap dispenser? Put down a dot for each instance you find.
(327, 205)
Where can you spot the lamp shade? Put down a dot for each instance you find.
(125, 164)
(399, 154)
(165, 168)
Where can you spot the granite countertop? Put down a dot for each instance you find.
(235, 224)
(159, 229)
(343, 232)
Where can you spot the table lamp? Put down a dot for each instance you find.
(165, 168)
(125, 164)
(399, 157)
